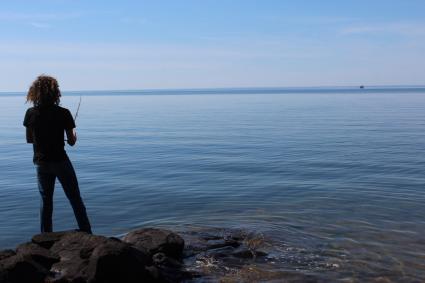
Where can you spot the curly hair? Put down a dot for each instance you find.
(44, 91)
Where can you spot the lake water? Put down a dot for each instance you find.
(332, 179)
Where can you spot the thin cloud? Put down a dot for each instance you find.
(13, 16)
(38, 20)
(137, 21)
(40, 25)
(403, 29)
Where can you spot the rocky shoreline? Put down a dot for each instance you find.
(144, 255)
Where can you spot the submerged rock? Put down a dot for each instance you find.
(157, 241)
(246, 254)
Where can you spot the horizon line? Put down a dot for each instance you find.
(324, 87)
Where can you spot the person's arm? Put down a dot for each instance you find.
(71, 136)
(30, 138)
(28, 128)
(69, 127)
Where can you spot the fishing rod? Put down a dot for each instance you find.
(78, 110)
(76, 113)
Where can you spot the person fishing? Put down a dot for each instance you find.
(45, 124)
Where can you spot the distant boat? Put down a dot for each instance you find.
(362, 86)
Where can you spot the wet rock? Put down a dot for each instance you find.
(90, 258)
(214, 252)
(155, 274)
(156, 241)
(220, 243)
(46, 240)
(161, 259)
(74, 250)
(37, 253)
(68, 271)
(167, 269)
(211, 244)
(115, 261)
(252, 273)
(73, 245)
(149, 255)
(247, 254)
(21, 269)
(6, 253)
(219, 253)
(145, 255)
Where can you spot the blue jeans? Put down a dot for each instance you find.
(47, 173)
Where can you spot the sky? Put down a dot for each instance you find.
(128, 45)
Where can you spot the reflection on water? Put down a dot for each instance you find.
(331, 182)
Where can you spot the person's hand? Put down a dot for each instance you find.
(72, 137)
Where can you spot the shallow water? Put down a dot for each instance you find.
(332, 180)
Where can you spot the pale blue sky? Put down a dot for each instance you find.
(222, 43)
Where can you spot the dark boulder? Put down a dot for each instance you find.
(156, 241)
(6, 253)
(21, 269)
(160, 259)
(74, 250)
(68, 272)
(46, 240)
(38, 254)
(90, 258)
(146, 255)
(74, 244)
(167, 269)
(114, 261)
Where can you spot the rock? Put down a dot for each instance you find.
(90, 258)
(219, 253)
(161, 259)
(245, 253)
(46, 240)
(37, 253)
(76, 245)
(156, 241)
(167, 269)
(146, 255)
(155, 274)
(68, 271)
(114, 261)
(6, 253)
(209, 239)
(253, 273)
(74, 250)
(21, 269)
(221, 243)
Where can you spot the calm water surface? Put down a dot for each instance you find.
(332, 180)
